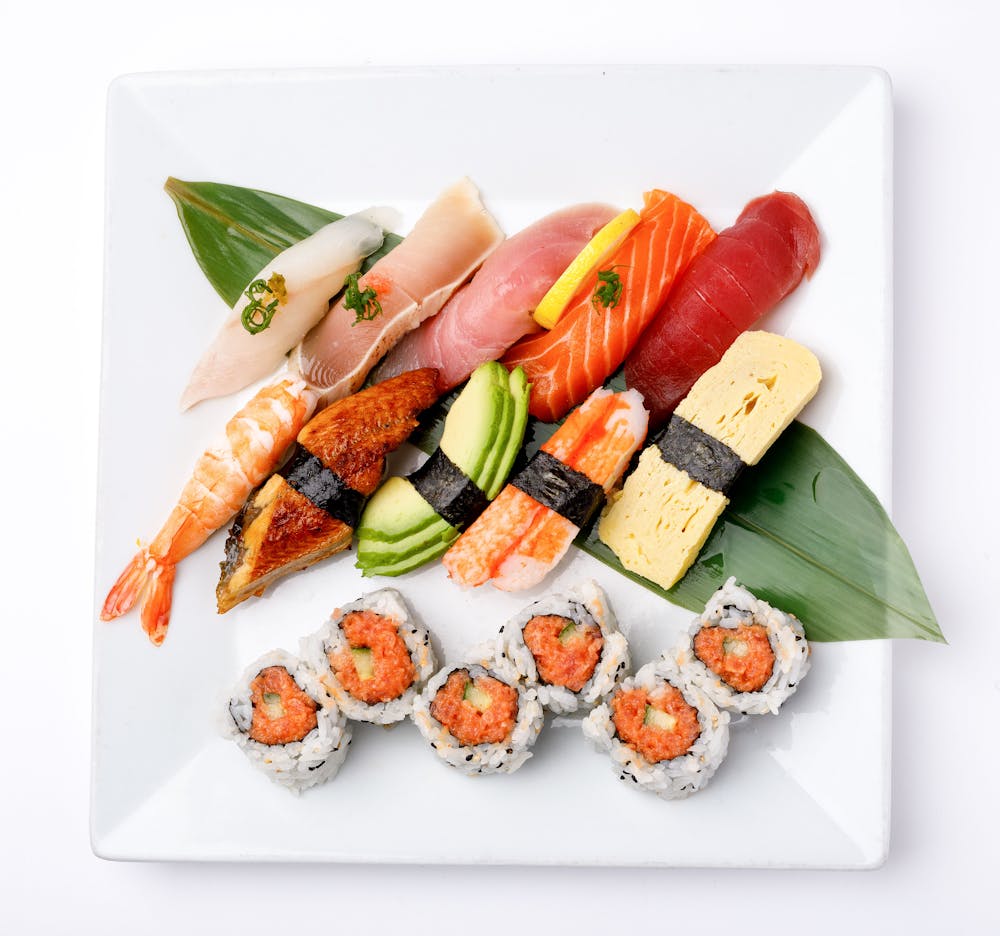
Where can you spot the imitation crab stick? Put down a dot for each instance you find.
(521, 536)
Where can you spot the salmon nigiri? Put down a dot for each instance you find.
(609, 313)
(521, 536)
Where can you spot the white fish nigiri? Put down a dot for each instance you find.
(301, 280)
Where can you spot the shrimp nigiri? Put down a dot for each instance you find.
(256, 438)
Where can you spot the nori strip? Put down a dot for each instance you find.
(325, 488)
(704, 458)
(452, 494)
(568, 492)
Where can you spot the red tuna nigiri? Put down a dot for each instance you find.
(740, 276)
(589, 342)
(484, 318)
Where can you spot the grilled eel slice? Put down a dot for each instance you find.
(309, 509)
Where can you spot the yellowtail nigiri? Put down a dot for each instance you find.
(447, 245)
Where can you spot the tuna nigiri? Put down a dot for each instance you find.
(484, 318)
(743, 274)
(446, 246)
(601, 326)
(520, 537)
(281, 303)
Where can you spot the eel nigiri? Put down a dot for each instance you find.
(446, 246)
(484, 318)
(602, 324)
(524, 533)
(741, 275)
(310, 509)
(281, 303)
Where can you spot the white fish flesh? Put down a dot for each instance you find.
(302, 279)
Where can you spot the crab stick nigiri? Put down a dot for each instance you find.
(524, 533)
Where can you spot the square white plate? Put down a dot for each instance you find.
(809, 788)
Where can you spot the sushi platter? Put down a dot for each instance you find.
(466, 656)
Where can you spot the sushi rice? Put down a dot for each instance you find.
(730, 607)
(680, 776)
(297, 765)
(586, 604)
(317, 648)
(503, 757)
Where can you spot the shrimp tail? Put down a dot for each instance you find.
(156, 603)
(147, 578)
(129, 587)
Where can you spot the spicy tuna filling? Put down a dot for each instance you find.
(660, 725)
(282, 712)
(565, 651)
(376, 665)
(476, 711)
(741, 656)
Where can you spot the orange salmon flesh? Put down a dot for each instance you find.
(393, 672)
(569, 662)
(282, 712)
(466, 722)
(740, 656)
(654, 743)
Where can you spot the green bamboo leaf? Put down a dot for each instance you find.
(802, 530)
(234, 232)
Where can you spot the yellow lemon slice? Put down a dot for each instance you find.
(555, 301)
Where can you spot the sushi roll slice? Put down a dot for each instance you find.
(479, 719)
(568, 647)
(746, 655)
(282, 720)
(372, 658)
(663, 732)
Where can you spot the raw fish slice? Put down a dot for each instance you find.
(484, 318)
(743, 274)
(446, 246)
(517, 540)
(588, 343)
(312, 272)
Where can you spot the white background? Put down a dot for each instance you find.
(57, 61)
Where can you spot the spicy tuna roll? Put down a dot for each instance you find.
(568, 647)
(478, 719)
(282, 720)
(748, 656)
(372, 657)
(663, 733)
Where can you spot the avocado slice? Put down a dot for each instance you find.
(399, 530)
(480, 415)
(476, 697)
(661, 720)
